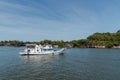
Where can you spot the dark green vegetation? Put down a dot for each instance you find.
(96, 40)
(108, 40)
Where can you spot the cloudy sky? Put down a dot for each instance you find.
(35, 20)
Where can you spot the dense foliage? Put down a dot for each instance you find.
(105, 39)
(97, 39)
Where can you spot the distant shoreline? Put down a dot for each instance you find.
(96, 40)
(96, 47)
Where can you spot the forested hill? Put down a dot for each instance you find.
(99, 40)
(96, 40)
(106, 39)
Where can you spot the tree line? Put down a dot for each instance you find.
(17, 43)
(96, 40)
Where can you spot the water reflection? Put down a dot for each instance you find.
(36, 58)
(75, 64)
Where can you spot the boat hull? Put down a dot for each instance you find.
(43, 53)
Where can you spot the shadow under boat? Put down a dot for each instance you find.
(42, 54)
(39, 57)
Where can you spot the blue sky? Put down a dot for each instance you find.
(35, 20)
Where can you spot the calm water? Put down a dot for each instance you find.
(75, 64)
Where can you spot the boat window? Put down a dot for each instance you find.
(47, 49)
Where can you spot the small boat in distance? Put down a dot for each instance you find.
(32, 49)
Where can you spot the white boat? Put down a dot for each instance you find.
(32, 49)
